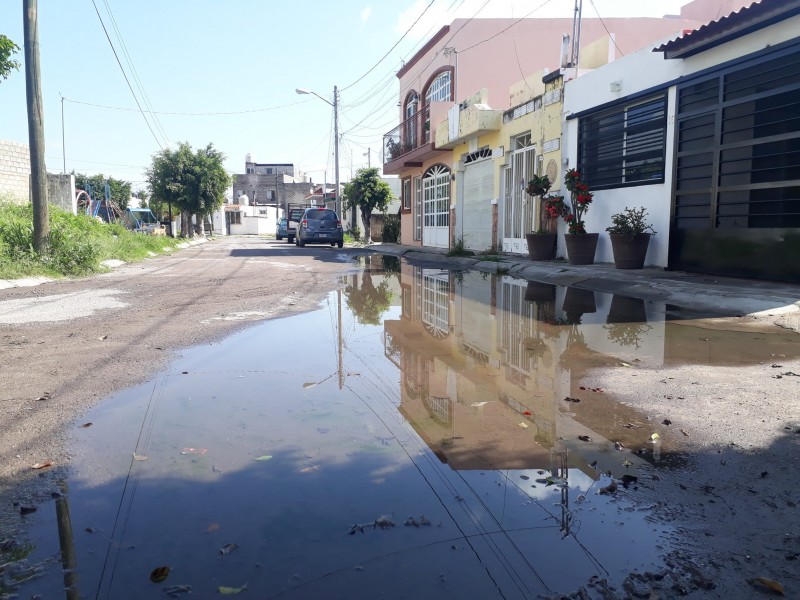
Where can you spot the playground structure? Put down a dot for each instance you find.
(141, 220)
(104, 209)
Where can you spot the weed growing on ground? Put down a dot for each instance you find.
(78, 244)
(459, 249)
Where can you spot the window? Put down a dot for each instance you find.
(234, 218)
(406, 194)
(439, 89)
(624, 145)
(738, 147)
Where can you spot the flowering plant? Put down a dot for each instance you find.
(571, 211)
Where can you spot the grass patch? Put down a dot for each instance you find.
(78, 244)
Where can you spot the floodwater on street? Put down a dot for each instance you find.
(423, 434)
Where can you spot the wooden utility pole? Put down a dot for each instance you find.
(33, 87)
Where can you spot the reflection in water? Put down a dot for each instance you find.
(463, 412)
(486, 364)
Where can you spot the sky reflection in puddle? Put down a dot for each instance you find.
(429, 400)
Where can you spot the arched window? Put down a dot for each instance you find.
(439, 90)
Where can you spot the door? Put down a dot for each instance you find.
(476, 219)
(518, 207)
(436, 207)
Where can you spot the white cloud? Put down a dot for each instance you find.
(365, 13)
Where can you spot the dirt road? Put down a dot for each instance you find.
(65, 345)
(733, 506)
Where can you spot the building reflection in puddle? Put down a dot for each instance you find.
(487, 362)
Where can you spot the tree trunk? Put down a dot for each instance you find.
(186, 224)
(198, 225)
(365, 220)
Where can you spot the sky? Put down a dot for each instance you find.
(225, 73)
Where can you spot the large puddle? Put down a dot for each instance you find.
(418, 436)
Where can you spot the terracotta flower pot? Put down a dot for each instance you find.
(541, 246)
(581, 248)
(630, 249)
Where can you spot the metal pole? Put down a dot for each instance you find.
(33, 88)
(63, 144)
(336, 149)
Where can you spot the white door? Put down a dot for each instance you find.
(436, 207)
(518, 207)
(476, 224)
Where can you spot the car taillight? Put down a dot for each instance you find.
(304, 222)
(338, 223)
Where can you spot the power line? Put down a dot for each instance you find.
(190, 114)
(402, 37)
(542, 5)
(135, 74)
(110, 43)
(606, 28)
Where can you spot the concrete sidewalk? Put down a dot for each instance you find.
(719, 296)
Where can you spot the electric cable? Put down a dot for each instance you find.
(402, 37)
(191, 114)
(125, 75)
(597, 12)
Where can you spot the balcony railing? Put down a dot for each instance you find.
(411, 134)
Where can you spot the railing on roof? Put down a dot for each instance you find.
(411, 134)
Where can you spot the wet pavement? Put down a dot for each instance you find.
(425, 433)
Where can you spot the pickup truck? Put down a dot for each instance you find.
(294, 213)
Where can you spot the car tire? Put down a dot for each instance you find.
(279, 237)
(340, 244)
(301, 243)
(333, 244)
(290, 240)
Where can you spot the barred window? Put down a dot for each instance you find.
(439, 90)
(625, 145)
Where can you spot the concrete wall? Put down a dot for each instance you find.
(15, 170)
(61, 192)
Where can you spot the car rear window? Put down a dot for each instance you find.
(321, 215)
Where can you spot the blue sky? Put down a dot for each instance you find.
(237, 56)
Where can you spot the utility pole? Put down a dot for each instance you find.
(33, 88)
(63, 143)
(368, 154)
(336, 149)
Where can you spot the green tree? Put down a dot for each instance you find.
(368, 301)
(119, 191)
(7, 64)
(367, 191)
(194, 183)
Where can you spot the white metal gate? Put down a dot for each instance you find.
(518, 208)
(436, 207)
(477, 209)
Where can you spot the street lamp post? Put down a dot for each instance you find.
(335, 105)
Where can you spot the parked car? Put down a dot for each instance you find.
(283, 229)
(319, 226)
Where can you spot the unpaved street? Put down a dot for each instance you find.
(730, 501)
(65, 345)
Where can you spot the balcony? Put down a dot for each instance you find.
(473, 121)
(411, 142)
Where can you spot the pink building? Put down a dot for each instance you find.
(492, 54)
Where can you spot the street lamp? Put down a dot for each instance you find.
(335, 105)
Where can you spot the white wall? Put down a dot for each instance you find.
(635, 73)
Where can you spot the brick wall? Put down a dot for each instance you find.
(15, 170)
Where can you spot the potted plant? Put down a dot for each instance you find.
(542, 242)
(581, 246)
(630, 236)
